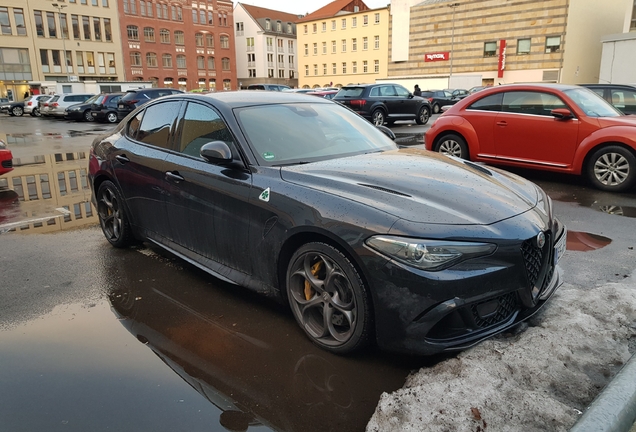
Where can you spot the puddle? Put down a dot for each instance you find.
(584, 242)
(600, 201)
(409, 139)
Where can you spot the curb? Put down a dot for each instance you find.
(614, 409)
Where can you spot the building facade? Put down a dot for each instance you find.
(266, 49)
(343, 43)
(618, 63)
(186, 45)
(450, 44)
(68, 41)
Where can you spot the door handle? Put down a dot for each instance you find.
(122, 158)
(502, 123)
(174, 176)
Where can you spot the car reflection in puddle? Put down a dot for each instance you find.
(246, 355)
(614, 204)
(584, 242)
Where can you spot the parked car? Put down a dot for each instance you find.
(327, 94)
(56, 106)
(137, 97)
(439, 98)
(270, 87)
(300, 199)
(384, 103)
(622, 96)
(477, 88)
(302, 90)
(458, 93)
(13, 108)
(31, 105)
(104, 109)
(6, 158)
(559, 128)
(81, 111)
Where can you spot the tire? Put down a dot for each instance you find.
(378, 118)
(87, 116)
(112, 216)
(17, 111)
(111, 117)
(422, 116)
(328, 298)
(36, 113)
(452, 145)
(612, 168)
(436, 109)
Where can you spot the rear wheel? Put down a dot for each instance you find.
(612, 168)
(328, 298)
(36, 112)
(453, 145)
(88, 116)
(422, 116)
(378, 117)
(112, 216)
(436, 109)
(111, 117)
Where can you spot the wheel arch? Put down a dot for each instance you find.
(444, 134)
(579, 168)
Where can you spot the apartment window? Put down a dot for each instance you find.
(315, 48)
(164, 36)
(227, 84)
(39, 23)
(376, 42)
(45, 186)
(251, 73)
(50, 21)
(126, 6)
(61, 181)
(490, 49)
(135, 59)
(17, 187)
(72, 180)
(377, 18)
(202, 16)
(158, 10)
(195, 17)
(324, 26)
(306, 49)
(225, 42)
(200, 62)
(79, 58)
(149, 34)
(94, 2)
(281, 73)
(523, 46)
(365, 20)
(290, 46)
(315, 69)
(108, 34)
(63, 26)
(86, 23)
(314, 27)
(209, 40)
(324, 68)
(365, 67)
(225, 64)
(344, 45)
(268, 24)
(354, 21)
(133, 32)
(324, 47)
(344, 67)
(289, 28)
(164, 9)
(354, 44)
(211, 22)
(77, 210)
(365, 43)
(151, 59)
(18, 16)
(173, 9)
(166, 61)
(306, 70)
(5, 24)
(90, 60)
(552, 44)
(97, 28)
(211, 63)
(105, 4)
(344, 23)
(305, 29)
(179, 37)
(198, 39)
(333, 47)
(333, 69)
(291, 62)
(239, 28)
(133, 6)
(354, 67)
(88, 209)
(376, 66)
(181, 61)
(83, 179)
(56, 58)
(142, 8)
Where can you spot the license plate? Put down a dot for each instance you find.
(559, 248)
(121, 106)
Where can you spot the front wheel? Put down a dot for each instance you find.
(328, 298)
(436, 109)
(453, 145)
(17, 111)
(422, 116)
(88, 116)
(111, 117)
(36, 113)
(112, 216)
(612, 168)
(378, 118)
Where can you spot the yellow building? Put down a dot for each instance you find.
(342, 43)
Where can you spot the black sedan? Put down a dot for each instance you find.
(13, 108)
(81, 111)
(300, 199)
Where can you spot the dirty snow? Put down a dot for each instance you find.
(538, 380)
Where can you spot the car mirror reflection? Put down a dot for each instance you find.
(386, 131)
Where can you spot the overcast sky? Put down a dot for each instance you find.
(305, 6)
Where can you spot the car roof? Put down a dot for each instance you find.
(239, 99)
(599, 85)
(528, 86)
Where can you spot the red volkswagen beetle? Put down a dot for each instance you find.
(6, 159)
(552, 127)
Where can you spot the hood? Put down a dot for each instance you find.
(627, 120)
(420, 186)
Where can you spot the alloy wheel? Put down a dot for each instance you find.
(611, 169)
(110, 214)
(450, 147)
(111, 117)
(378, 118)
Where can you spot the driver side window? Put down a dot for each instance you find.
(201, 125)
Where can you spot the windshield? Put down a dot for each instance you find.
(591, 103)
(294, 133)
(94, 99)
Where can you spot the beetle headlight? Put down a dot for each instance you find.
(427, 254)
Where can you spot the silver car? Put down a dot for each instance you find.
(31, 104)
(58, 103)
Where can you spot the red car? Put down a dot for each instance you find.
(560, 128)
(6, 159)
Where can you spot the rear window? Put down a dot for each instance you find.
(55, 98)
(350, 92)
(129, 96)
(256, 87)
(100, 100)
(427, 94)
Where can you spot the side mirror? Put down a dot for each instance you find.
(562, 114)
(386, 131)
(410, 95)
(216, 152)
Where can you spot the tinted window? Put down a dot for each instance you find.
(625, 100)
(387, 91)
(401, 91)
(129, 96)
(427, 94)
(112, 101)
(133, 125)
(534, 103)
(350, 92)
(201, 125)
(598, 91)
(100, 99)
(157, 124)
(489, 103)
(375, 92)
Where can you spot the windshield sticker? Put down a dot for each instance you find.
(268, 156)
(264, 196)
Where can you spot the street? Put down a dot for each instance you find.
(97, 338)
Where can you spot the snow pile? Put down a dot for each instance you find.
(538, 380)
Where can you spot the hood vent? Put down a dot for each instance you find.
(478, 168)
(391, 191)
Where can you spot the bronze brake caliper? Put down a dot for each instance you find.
(309, 291)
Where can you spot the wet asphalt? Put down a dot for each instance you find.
(96, 338)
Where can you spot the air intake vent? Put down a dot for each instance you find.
(380, 188)
(478, 168)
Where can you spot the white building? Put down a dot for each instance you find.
(266, 50)
(618, 63)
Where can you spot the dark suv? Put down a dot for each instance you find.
(622, 96)
(134, 98)
(440, 98)
(384, 103)
(104, 108)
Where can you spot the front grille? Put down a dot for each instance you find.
(7, 164)
(532, 258)
(506, 307)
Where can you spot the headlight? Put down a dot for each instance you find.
(427, 254)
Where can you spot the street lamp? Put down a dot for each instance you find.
(450, 75)
(59, 8)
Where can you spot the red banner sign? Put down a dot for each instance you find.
(436, 56)
(502, 58)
